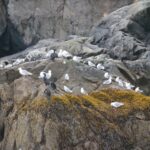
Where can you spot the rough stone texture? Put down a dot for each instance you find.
(27, 21)
(2, 18)
(58, 127)
(60, 18)
(125, 34)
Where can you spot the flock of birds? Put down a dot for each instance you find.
(46, 76)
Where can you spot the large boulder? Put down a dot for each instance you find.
(125, 32)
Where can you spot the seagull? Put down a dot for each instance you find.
(24, 72)
(49, 53)
(82, 90)
(76, 59)
(49, 74)
(106, 75)
(18, 61)
(91, 64)
(42, 75)
(109, 81)
(116, 104)
(137, 89)
(66, 89)
(119, 81)
(67, 77)
(128, 85)
(100, 67)
(64, 53)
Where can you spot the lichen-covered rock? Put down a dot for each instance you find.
(79, 122)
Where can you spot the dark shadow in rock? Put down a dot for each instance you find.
(11, 41)
(2, 131)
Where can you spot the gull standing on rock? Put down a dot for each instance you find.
(117, 104)
(64, 53)
(49, 74)
(109, 81)
(76, 59)
(119, 81)
(42, 75)
(106, 75)
(128, 86)
(82, 90)
(24, 72)
(18, 61)
(49, 53)
(100, 67)
(137, 89)
(67, 77)
(68, 90)
(91, 64)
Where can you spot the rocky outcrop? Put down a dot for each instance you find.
(70, 121)
(28, 21)
(32, 119)
(125, 34)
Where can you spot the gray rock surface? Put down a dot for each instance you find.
(28, 21)
(125, 34)
(29, 120)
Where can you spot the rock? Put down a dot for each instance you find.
(2, 18)
(123, 33)
(24, 89)
(75, 121)
(21, 23)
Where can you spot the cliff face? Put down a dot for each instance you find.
(35, 116)
(31, 20)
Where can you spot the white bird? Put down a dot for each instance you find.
(119, 81)
(100, 67)
(109, 81)
(66, 89)
(128, 85)
(137, 89)
(91, 64)
(67, 77)
(18, 61)
(24, 72)
(82, 90)
(64, 53)
(107, 75)
(49, 53)
(76, 59)
(42, 75)
(116, 104)
(49, 74)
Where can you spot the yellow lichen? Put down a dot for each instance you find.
(99, 102)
